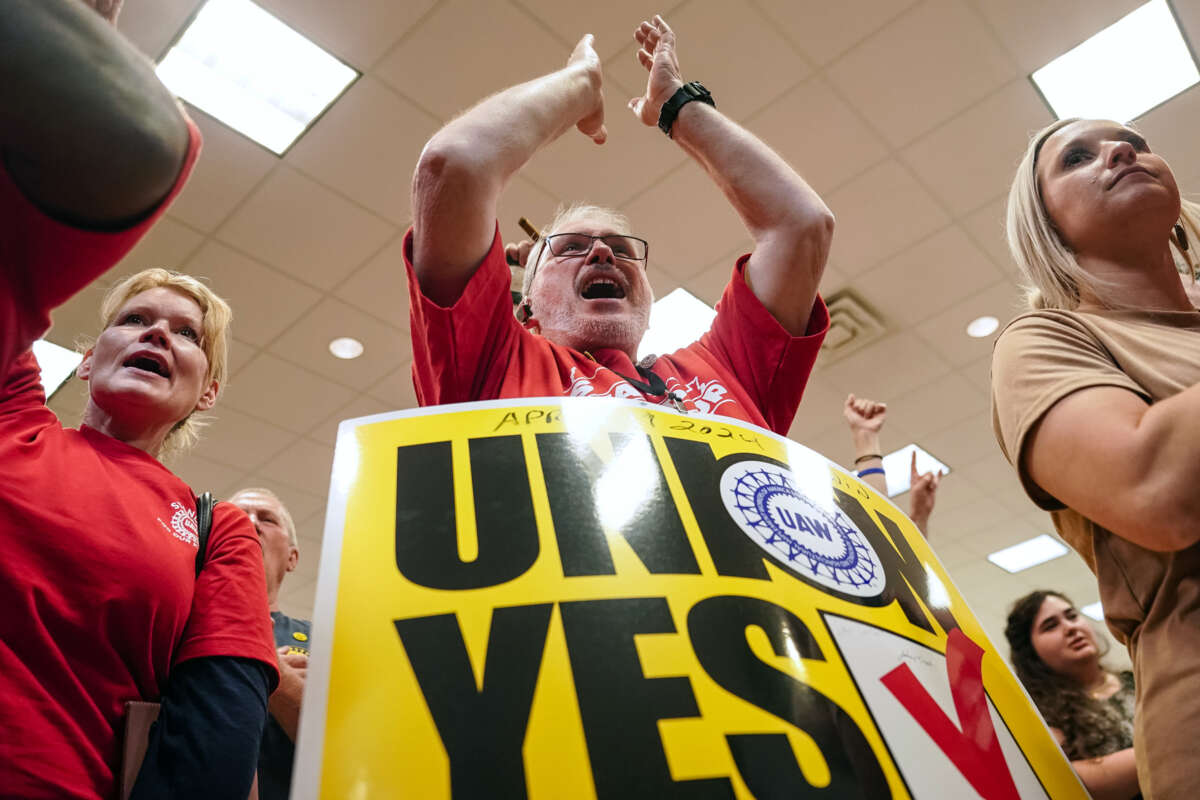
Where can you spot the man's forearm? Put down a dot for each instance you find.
(466, 165)
(86, 129)
(789, 222)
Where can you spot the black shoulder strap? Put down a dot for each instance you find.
(204, 512)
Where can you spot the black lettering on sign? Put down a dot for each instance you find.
(621, 707)
(907, 579)
(733, 553)
(426, 526)
(483, 731)
(655, 532)
(766, 762)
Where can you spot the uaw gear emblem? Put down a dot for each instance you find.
(818, 541)
(183, 524)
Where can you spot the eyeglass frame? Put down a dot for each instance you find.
(545, 242)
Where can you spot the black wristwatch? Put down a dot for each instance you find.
(685, 94)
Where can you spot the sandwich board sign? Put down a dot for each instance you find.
(599, 598)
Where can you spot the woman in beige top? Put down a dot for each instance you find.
(1095, 402)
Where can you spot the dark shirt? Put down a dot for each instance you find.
(278, 750)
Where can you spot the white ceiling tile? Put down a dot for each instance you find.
(687, 220)
(662, 283)
(230, 165)
(297, 600)
(818, 134)
(291, 397)
(168, 245)
(380, 287)
(963, 442)
(362, 406)
(972, 157)
(979, 373)
(304, 464)
(823, 31)
(396, 390)
(612, 23)
(930, 63)
(357, 31)
(947, 332)
(734, 51)
(241, 441)
(820, 410)
(293, 223)
(986, 227)
(523, 198)
(879, 213)
(954, 491)
(1038, 31)
(887, 368)
(634, 157)
(465, 50)
(307, 343)
(204, 475)
(240, 354)
(153, 24)
(936, 404)
(366, 147)
(710, 284)
(928, 277)
(264, 301)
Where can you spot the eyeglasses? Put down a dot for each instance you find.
(578, 245)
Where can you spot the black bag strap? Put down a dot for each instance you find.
(204, 512)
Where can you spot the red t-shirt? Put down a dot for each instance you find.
(747, 366)
(98, 594)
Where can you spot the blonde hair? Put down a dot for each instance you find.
(288, 524)
(214, 338)
(1053, 278)
(565, 214)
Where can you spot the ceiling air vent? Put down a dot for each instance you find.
(853, 324)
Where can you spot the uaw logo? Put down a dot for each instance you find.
(183, 524)
(819, 542)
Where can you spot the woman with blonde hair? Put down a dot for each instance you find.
(105, 596)
(1095, 403)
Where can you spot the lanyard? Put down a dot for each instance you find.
(653, 384)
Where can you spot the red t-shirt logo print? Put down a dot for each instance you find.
(973, 749)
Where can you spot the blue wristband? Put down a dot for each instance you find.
(862, 473)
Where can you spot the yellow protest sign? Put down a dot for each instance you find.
(584, 598)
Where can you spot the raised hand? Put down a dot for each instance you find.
(518, 254)
(657, 54)
(106, 8)
(923, 494)
(584, 56)
(864, 415)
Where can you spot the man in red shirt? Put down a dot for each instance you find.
(587, 299)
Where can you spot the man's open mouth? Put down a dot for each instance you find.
(602, 288)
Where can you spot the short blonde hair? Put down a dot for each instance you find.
(214, 338)
(288, 524)
(564, 215)
(1053, 278)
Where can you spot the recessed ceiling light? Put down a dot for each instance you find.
(1094, 610)
(57, 363)
(252, 72)
(1028, 553)
(897, 467)
(1123, 71)
(345, 347)
(676, 321)
(982, 326)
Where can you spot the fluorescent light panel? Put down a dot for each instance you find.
(1123, 71)
(252, 72)
(1094, 610)
(897, 466)
(57, 364)
(676, 321)
(1028, 553)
